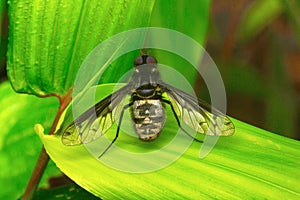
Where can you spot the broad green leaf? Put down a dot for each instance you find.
(187, 17)
(19, 146)
(251, 164)
(48, 40)
(44, 60)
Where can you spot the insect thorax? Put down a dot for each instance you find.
(148, 116)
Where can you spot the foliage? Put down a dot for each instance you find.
(19, 146)
(49, 40)
(251, 164)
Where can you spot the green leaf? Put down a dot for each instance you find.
(258, 16)
(49, 40)
(175, 15)
(171, 14)
(187, 17)
(251, 164)
(19, 146)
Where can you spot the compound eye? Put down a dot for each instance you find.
(138, 61)
(150, 60)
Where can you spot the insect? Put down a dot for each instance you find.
(149, 95)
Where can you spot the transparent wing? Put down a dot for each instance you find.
(95, 122)
(197, 114)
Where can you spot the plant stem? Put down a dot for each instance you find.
(36, 175)
(43, 158)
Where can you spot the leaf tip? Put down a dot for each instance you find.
(39, 130)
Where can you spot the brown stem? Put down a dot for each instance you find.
(36, 175)
(43, 159)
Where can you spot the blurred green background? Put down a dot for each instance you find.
(256, 47)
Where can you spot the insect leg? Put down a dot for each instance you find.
(118, 129)
(177, 119)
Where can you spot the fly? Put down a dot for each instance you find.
(149, 95)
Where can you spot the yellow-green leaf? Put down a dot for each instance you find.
(251, 164)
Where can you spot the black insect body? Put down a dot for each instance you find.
(147, 105)
(148, 117)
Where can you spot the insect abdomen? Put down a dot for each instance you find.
(149, 118)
